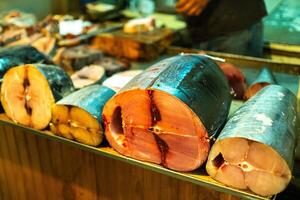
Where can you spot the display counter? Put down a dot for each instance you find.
(40, 165)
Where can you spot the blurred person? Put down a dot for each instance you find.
(231, 26)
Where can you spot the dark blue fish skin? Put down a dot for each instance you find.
(91, 99)
(19, 55)
(59, 81)
(197, 81)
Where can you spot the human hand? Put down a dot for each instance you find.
(191, 7)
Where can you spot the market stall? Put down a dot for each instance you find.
(111, 110)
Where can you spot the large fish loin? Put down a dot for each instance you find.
(78, 116)
(167, 114)
(29, 91)
(255, 150)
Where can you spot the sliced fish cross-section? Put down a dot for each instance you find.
(28, 92)
(255, 150)
(79, 115)
(167, 114)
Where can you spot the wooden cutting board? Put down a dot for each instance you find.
(140, 46)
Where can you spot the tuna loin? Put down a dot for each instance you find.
(29, 91)
(78, 116)
(255, 150)
(167, 114)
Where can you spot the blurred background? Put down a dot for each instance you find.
(43, 8)
(283, 18)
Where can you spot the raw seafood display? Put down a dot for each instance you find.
(236, 79)
(78, 116)
(167, 114)
(255, 150)
(46, 45)
(113, 65)
(119, 80)
(75, 58)
(29, 91)
(264, 78)
(88, 75)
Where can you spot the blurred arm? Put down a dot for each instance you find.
(191, 7)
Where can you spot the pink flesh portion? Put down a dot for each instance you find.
(26, 96)
(257, 182)
(144, 145)
(232, 176)
(174, 138)
(178, 151)
(247, 164)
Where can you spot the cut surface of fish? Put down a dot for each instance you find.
(154, 126)
(26, 96)
(88, 75)
(78, 116)
(76, 124)
(113, 65)
(159, 116)
(255, 150)
(45, 45)
(247, 164)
